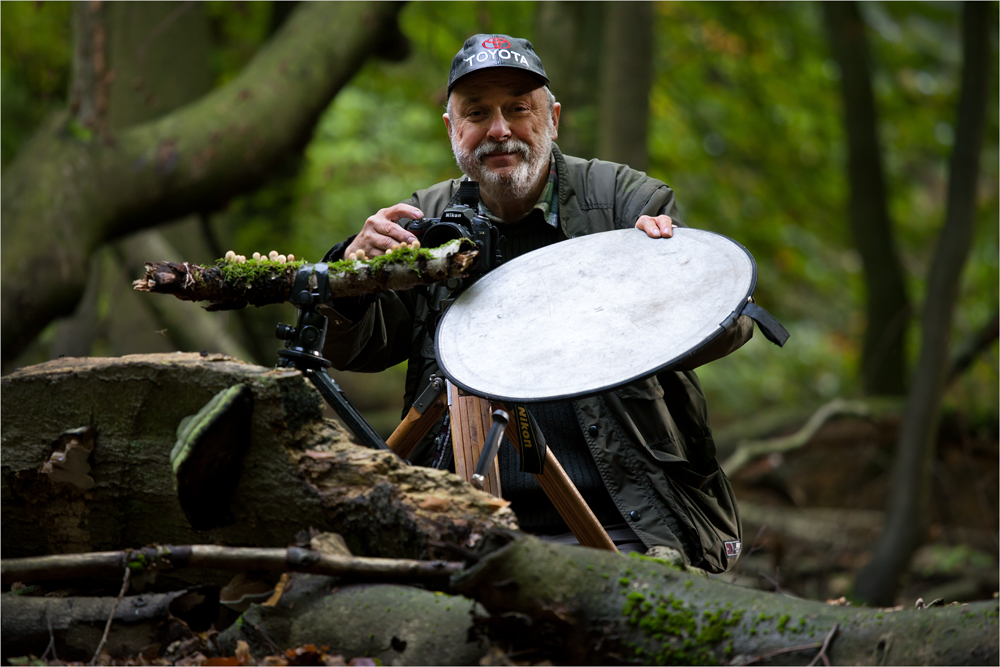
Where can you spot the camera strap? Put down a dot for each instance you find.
(531, 442)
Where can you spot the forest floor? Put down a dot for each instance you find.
(810, 519)
(812, 515)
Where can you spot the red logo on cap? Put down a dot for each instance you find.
(496, 43)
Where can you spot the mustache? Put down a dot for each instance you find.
(511, 145)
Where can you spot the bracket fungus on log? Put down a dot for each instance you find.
(207, 460)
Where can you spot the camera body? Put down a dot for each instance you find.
(462, 221)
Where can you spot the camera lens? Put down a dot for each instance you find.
(442, 233)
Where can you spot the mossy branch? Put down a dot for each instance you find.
(230, 285)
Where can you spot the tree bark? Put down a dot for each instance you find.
(627, 78)
(77, 192)
(583, 606)
(911, 475)
(403, 268)
(299, 471)
(88, 94)
(158, 60)
(883, 355)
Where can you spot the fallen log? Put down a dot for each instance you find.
(583, 606)
(106, 428)
(71, 627)
(229, 285)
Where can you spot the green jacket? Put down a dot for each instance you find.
(651, 439)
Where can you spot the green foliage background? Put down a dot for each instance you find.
(746, 126)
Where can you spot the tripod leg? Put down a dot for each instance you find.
(345, 409)
(415, 426)
(566, 498)
(470, 421)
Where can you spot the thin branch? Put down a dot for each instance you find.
(747, 450)
(826, 644)
(973, 348)
(143, 49)
(780, 651)
(111, 617)
(52, 637)
(293, 559)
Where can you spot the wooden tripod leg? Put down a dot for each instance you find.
(414, 427)
(470, 422)
(566, 498)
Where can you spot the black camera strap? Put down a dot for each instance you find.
(530, 440)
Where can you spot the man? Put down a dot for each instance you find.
(642, 455)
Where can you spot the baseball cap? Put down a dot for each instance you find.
(484, 51)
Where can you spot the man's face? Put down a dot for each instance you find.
(501, 130)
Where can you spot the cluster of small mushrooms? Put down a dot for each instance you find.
(360, 256)
(231, 256)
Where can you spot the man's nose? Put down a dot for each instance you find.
(499, 128)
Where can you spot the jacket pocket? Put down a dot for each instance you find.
(711, 514)
(642, 410)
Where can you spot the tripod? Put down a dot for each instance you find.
(304, 345)
(475, 442)
(303, 351)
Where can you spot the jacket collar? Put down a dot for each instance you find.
(570, 215)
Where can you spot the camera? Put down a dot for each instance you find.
(462, 221)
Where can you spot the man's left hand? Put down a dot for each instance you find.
(659, 227)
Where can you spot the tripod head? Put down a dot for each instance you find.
(304, 341)
(304, 349)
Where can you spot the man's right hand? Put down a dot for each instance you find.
(382, 232)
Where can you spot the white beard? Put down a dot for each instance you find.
(515, 184)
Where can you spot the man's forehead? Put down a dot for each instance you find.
(496, 81)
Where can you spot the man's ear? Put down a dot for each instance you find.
(556, 110)
(447, 122)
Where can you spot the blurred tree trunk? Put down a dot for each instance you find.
(599, 58)
(883, 357)
(156, 57)
(569, 41)
(626, 81)
(77, 184)
(911, 476)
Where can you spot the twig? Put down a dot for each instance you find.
(747, 450)
(775, 581)
(52, 636)
(259, 627)
(742, 561)
(293, 559)
(107, 627)
(826, 643)
(779, 651)
(973, 348)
